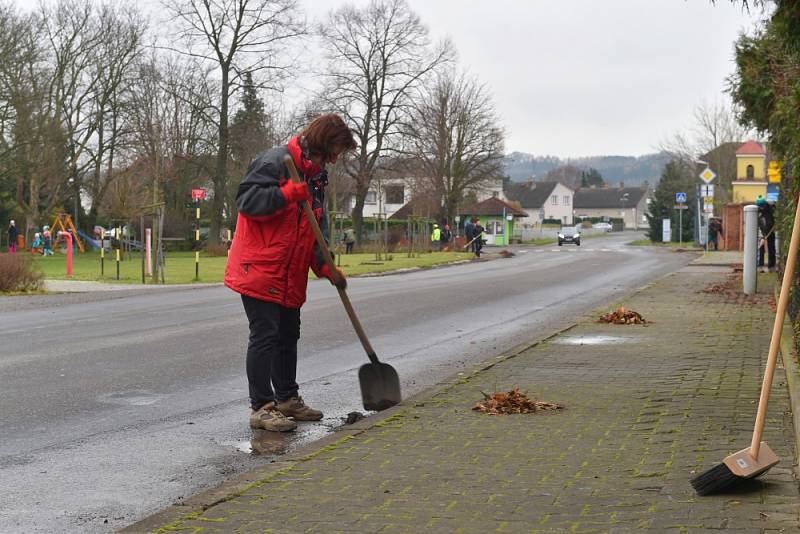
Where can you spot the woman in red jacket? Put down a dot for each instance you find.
(272, 250)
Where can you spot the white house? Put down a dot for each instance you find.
(385, 196)
(544, 200)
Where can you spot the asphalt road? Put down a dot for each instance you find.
(115, 407)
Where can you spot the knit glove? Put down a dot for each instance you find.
(294, 192)
(340, 283)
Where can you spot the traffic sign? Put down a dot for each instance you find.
(707, 191)
(708, 175)
(680, 197)
(198, 194)
(680, 207)
(773, 192)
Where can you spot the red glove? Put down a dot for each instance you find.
(293, 192)
(341, 282)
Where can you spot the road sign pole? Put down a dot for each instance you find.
(680, 227)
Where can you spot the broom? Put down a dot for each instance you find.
(758, 458)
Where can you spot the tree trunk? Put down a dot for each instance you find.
(221, 171)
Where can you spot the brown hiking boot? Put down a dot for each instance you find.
(295, 407)
(269, 418)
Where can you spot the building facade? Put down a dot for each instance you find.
(626, 203)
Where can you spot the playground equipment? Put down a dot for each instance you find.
(62, 223)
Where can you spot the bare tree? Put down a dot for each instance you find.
(170, 125)
(713, 137)
(456, 134)
(377, 55)
(245, 36)
(123, 30)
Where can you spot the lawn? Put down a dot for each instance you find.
(180, 266)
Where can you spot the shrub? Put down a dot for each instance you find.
(18, 273)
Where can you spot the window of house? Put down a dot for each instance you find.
(566, 200)
(554, 200)
(751, 172)
(394, 194)
(371, 198)
(495, 194)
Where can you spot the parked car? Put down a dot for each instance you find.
(606, 227)
(570, 234)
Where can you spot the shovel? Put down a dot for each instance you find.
(380, 385)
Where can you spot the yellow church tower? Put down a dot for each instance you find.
(751, 165)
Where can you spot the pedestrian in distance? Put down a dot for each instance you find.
(436, 238)
(478, 233)
(349, 239)
(12, 237)
(766, 225)
(446, 236)
(714, 232)
(268, 264)
(469, 232)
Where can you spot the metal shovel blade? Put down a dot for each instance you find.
(380, 386)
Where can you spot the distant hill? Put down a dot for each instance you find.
(631, 170)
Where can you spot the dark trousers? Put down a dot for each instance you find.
(349, 248)
(272, 351)
(770, 239)
(478, 246)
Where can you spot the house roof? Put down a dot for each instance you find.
(609, 197)
(751, 148)
(421, 206)
(531, 196)
(493, 206)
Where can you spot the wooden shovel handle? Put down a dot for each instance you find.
(777, 330)
(326, 254)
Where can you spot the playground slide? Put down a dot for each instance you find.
(88, 241)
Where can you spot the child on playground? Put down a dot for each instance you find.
(36, 247)
(47, 242)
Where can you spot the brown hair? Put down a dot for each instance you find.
(327, 133)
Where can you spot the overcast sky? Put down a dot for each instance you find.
(589, 77)
(582, 77)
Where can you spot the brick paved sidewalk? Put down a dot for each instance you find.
(646, 407)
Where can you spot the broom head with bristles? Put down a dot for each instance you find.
(735, 468)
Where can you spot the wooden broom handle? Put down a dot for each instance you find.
(326, 254)
(777, 330)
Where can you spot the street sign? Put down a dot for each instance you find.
(708, 175)
(680, 207)
(680, 197)
(708, 207)
(772, 192)
(198, 194)
(707, 191)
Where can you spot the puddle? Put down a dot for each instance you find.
(591, 340)
(131, 398)
(268, 443)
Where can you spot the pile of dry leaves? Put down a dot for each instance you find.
(730, 284)
(506, 254)
(622, 316)
(512, 402)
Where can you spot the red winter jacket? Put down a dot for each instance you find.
(274, 246)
